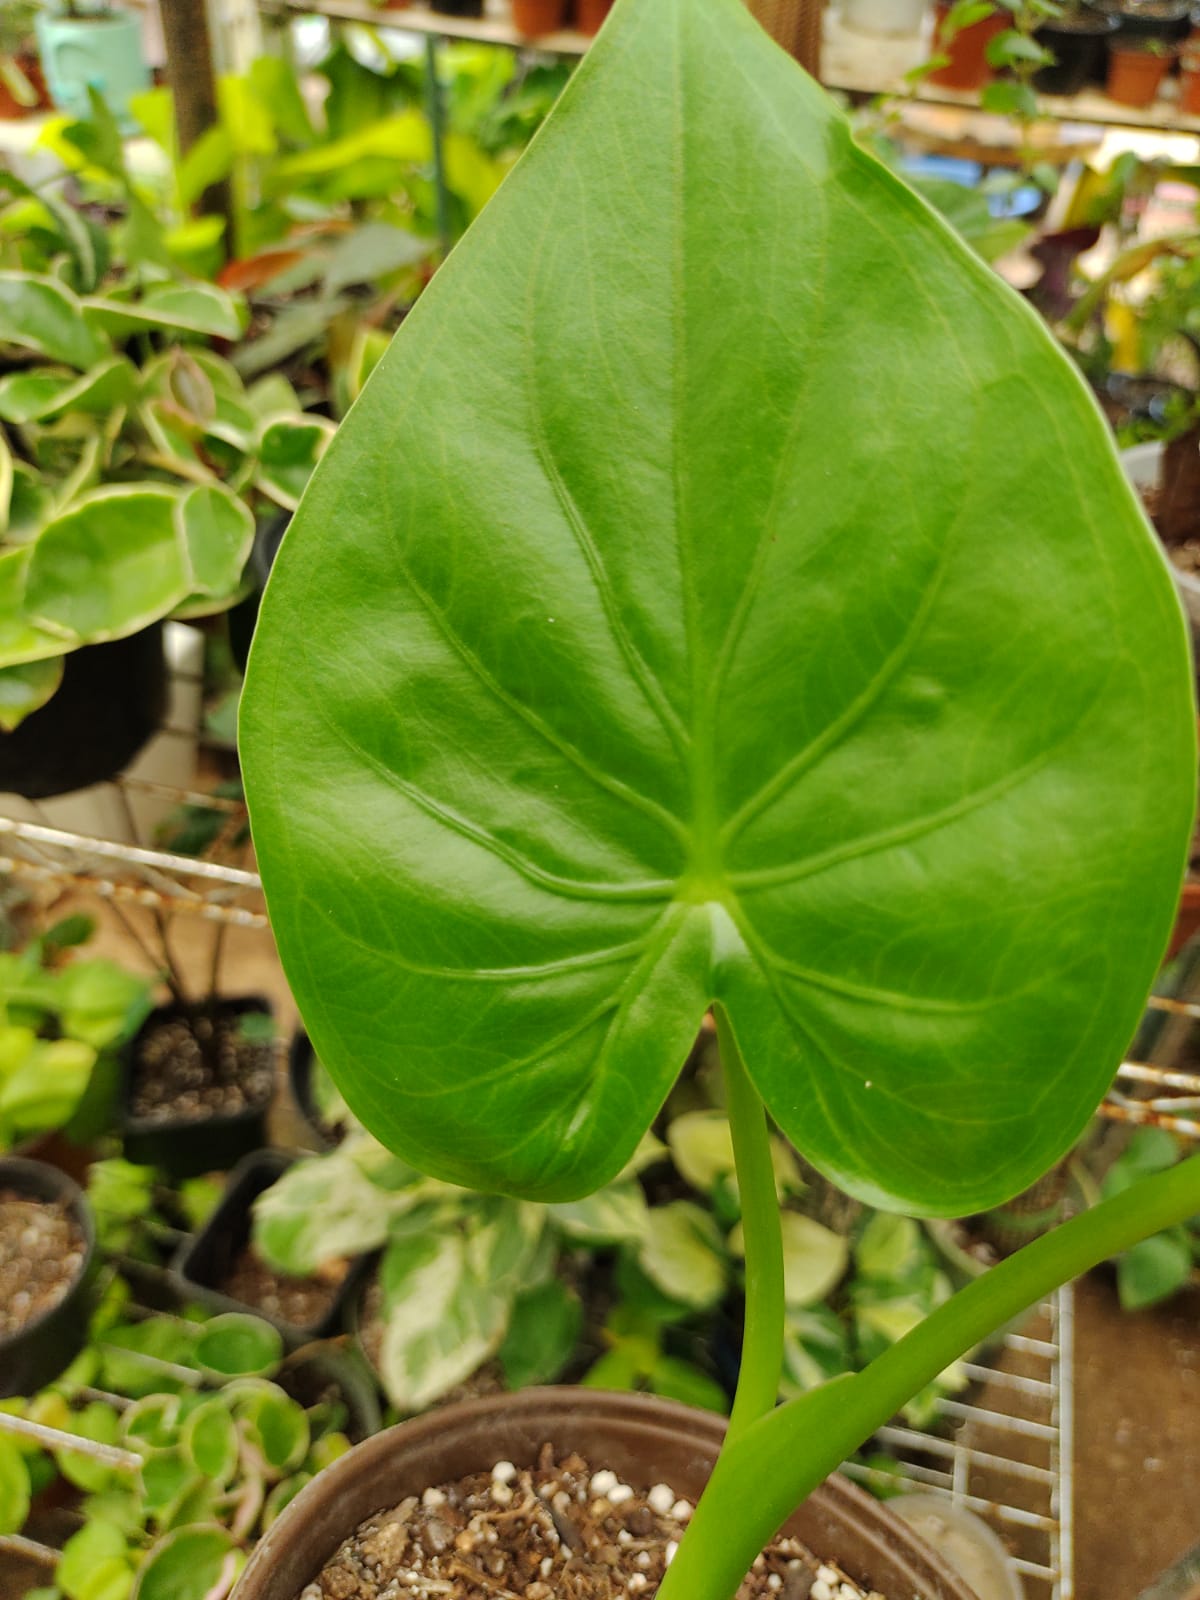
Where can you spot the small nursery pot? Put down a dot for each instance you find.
(314, 1369)
(203, 1262)
(187, 1147)
(1166, 20)
(968, 66)
(590, 14)
(457, 8)
(643, 1439)
(1077, 42)
(532, 18)
(111, 700)
(39, 1352)
(102, 53)
(1135, 72)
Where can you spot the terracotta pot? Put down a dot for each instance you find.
(531, 18)
(11, 109)
(1135, 76)
(643, 1439)
(589, 14)
(1189, 84)
(1187, 918)
(968, 66)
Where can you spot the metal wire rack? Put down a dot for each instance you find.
(1006, 1453)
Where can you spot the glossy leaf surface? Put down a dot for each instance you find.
(722, 591)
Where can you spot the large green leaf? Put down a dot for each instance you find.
(723, 591)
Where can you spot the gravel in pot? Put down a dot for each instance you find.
(47, 1240)
(199, 1081)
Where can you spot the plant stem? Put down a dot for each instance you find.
(762, 1340)
(776, 1462)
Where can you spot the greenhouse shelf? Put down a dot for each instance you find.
(1008, 1460)
(1007, 1453)
(489, 29)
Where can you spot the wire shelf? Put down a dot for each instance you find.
(1006, 1453)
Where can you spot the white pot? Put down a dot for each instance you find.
(965, 1541)
(884, 16)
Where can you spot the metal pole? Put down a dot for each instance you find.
(437, 124)
(194, 87)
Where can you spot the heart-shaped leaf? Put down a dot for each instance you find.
(724, 591)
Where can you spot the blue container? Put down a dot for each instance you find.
(99, 52)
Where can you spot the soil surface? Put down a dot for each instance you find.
(558, 1532)
(300, 1301)
(41, 1253)
(201, 1068)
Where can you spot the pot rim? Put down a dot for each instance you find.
(644, 1419)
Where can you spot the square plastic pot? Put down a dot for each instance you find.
(204, 1262)
(188, 1147)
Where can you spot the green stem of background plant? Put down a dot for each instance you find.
(772, 1465)
(762, 1339)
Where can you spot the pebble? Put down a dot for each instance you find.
(661, 1499)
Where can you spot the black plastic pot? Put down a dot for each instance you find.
(457, 8)
(310, 1372)
(204, 1262)
(1077, 41)
(187, 1147)
(302, 1061)
(111, 700)
(35, 1356)
(1147, 20)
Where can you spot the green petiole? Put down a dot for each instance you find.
(770, 1465)
(762, 1340)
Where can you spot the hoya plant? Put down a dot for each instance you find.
(724, 594)
(204, 1452)
(133, 461)
(60, 1028)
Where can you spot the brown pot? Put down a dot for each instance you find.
(11, 108)
(589, 14)
(1187, 918)
(968, 66)
(643, 1439)
(1189, 86)
(1135, 76)
(531, 18)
